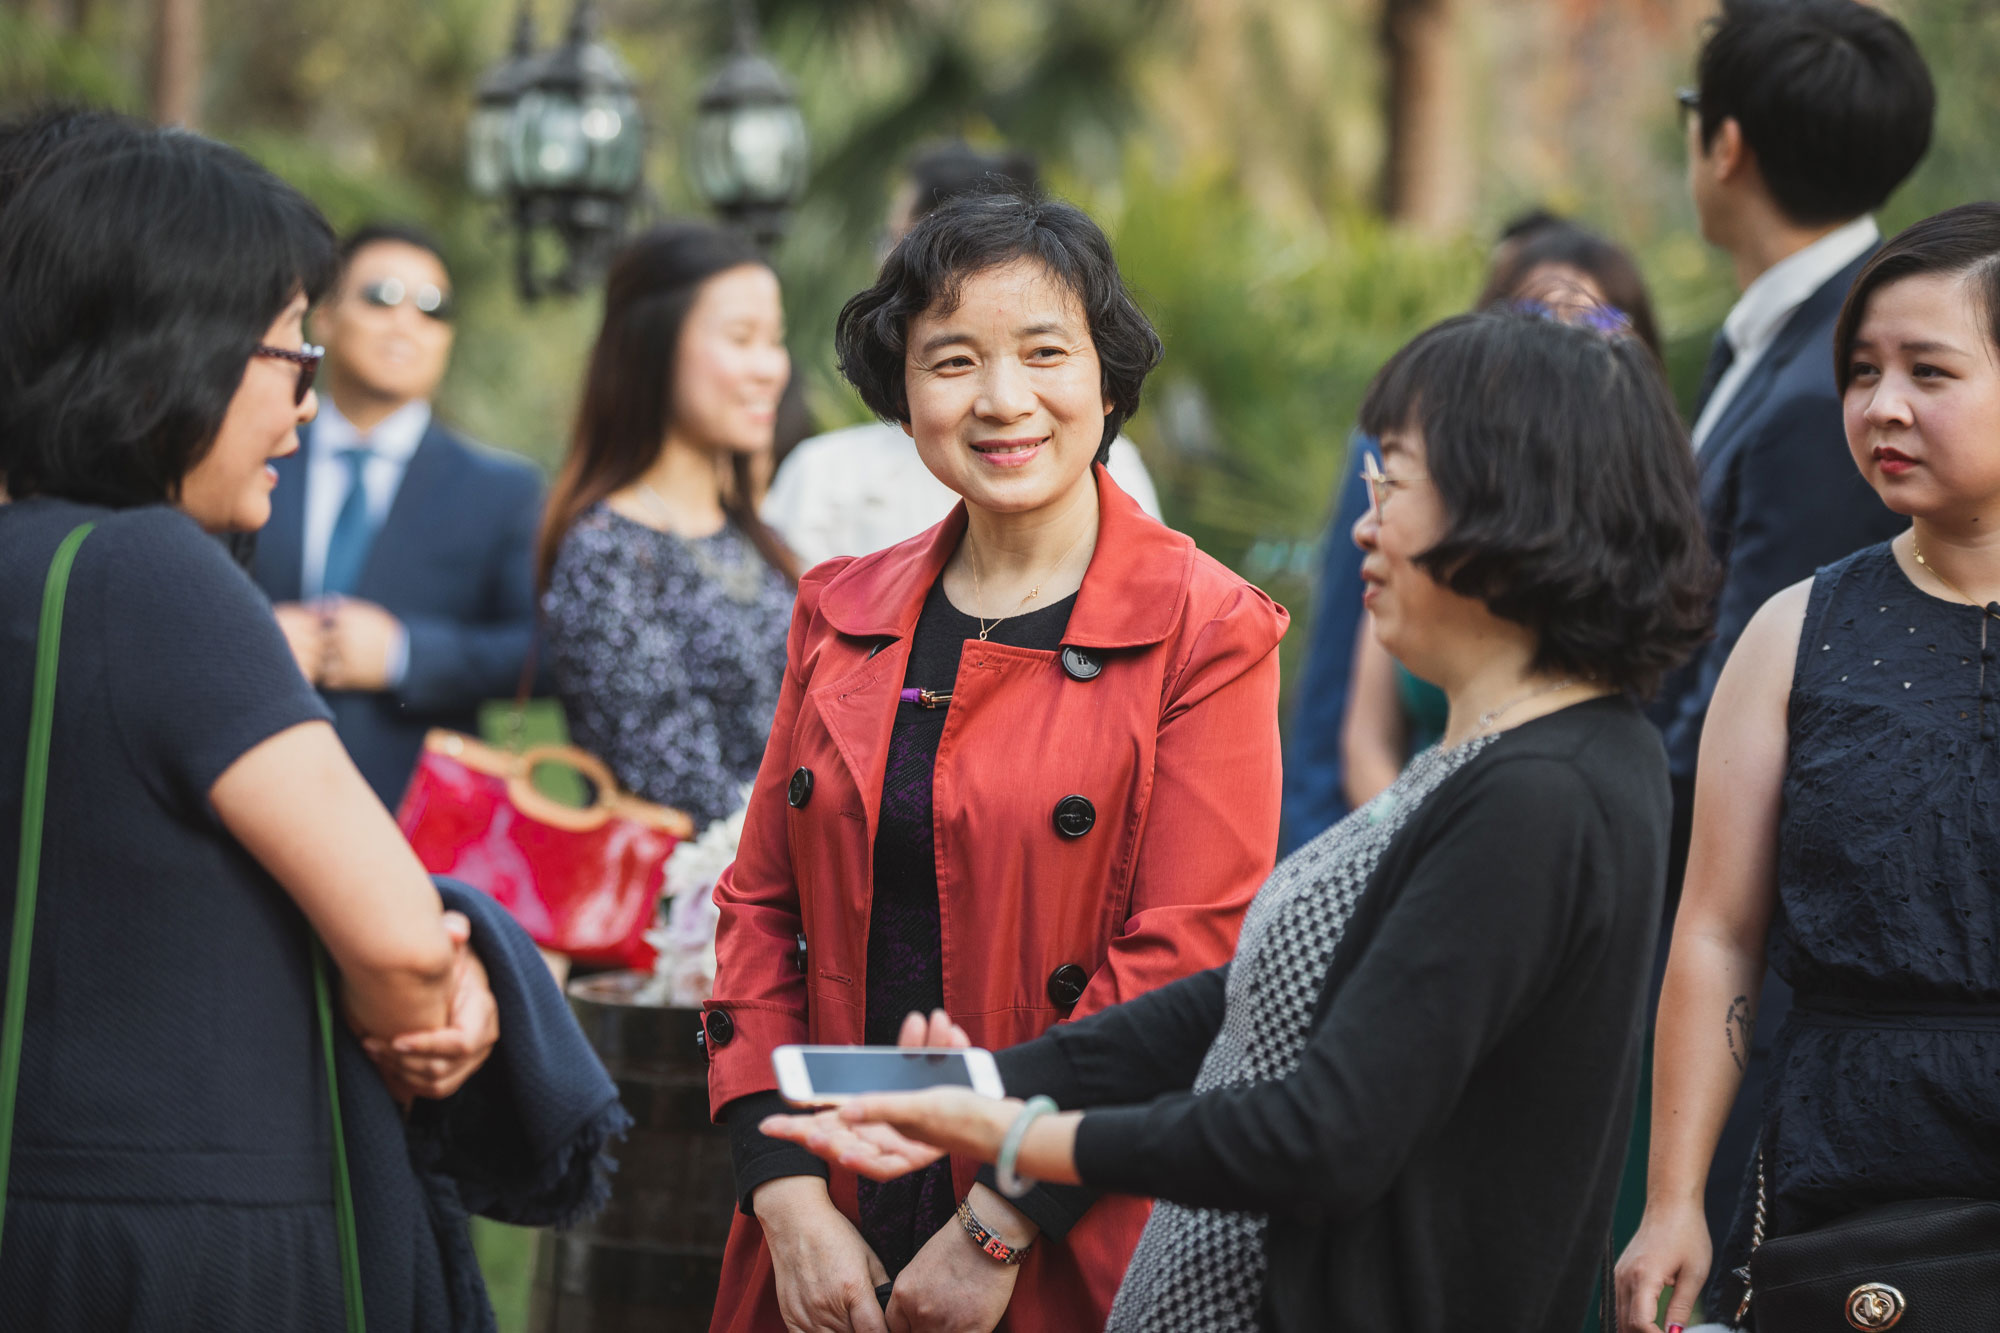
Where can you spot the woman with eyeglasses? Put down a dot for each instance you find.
(1560, 270)
(172, 1160)
(1403, 1106)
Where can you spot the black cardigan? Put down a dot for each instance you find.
(1447, 1155)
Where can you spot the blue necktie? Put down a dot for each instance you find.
(353, 529)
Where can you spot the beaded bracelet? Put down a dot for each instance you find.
(989, 1243)
(1032, 1110)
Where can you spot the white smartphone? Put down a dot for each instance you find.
(829, 1075)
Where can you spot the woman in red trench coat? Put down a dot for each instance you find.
(1102, 806)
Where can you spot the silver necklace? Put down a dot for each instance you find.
(741, 580)
(1489, 718)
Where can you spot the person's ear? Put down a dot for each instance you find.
(1729, 152)
(906, 429)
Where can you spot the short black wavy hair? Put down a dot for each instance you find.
(1833, 97)
(139, 273)
(1568, 487)
(970, 235)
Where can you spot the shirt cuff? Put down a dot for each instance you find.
(399, 657)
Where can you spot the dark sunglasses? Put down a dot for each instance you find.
(1690, 102)
(392, 292)
(306, 358)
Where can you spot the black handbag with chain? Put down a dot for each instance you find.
(1920, 1266)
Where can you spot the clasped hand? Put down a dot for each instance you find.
(821, 1264)
(436, 1063)
(340, 643)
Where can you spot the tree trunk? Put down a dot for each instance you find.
(176, 61)
(1427, 177)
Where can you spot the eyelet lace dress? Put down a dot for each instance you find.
(1886, 1074)
(1201, 1270)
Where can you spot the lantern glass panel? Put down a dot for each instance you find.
(614, 135)
(751, 155)
(550, 149)
(486, 149)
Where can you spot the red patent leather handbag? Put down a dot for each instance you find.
(582, 881)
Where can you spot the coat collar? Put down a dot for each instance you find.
(1132, 592)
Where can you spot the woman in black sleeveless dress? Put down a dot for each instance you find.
(1849, 803)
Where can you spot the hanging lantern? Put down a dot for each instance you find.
(561, 137)
(750, 146)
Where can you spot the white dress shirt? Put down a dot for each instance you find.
(393, 441)
(1754, 321)
(858, 490)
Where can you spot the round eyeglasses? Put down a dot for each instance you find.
(307, 359)
(428, 298)
(1380, 483)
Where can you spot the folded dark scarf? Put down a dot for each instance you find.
(526, 1141)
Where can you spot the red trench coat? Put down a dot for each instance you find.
(1175, 744)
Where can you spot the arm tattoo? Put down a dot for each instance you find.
(1737, 1027)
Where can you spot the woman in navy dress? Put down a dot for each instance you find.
(172, 1163)
(1845, 812)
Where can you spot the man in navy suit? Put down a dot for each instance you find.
(398, 556)
(1807, 116)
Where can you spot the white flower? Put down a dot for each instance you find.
(684, 971)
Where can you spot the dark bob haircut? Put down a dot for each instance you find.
(966, 237)
(1962, 241)
(1568, 489)
(139, 277)
(1832, 95)
(33, 143)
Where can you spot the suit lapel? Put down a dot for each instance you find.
(1807, 333)
(281, 546)
(399, 543)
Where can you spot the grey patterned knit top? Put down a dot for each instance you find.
(1202, 1270)
(667, 654)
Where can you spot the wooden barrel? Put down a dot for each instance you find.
(651, 1260)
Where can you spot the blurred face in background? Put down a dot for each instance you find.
(1922, 406)
(229, 490)
(731, 367)
(1565, 289)
(382, 344)
(1005, 392)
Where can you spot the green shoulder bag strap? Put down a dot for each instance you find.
(34, 802)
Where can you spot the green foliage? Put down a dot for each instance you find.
(1271, 337)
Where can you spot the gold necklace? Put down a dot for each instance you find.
(1935, 573)
(972, 558)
